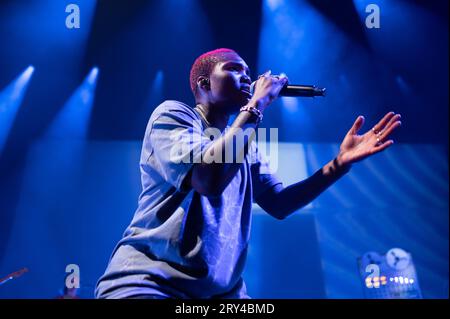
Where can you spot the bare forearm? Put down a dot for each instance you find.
(289, 199)
(223, 158)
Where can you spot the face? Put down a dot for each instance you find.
(230, 84)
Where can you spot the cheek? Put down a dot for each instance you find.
(224, 83)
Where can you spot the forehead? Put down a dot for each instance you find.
(233, 59)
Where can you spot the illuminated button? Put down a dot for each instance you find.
(406, 280)
(391, 279)
(376, 284)
(411, 281)
(396, 279)
(400, 279)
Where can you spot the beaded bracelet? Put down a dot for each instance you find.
(254, 111)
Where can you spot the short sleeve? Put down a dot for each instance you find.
(173, 142)
(263, 177)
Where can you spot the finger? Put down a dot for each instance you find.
(393, 119)
(389, 130)
(283, 76)
(357, 125)
(279, 85)
(267, 73)
(283, 80)
(382, 146)
(379, 126)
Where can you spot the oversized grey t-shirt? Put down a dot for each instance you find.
(182, 244)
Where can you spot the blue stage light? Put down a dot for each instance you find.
(73, 119)
(10, 100)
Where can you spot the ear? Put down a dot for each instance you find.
(203, 82)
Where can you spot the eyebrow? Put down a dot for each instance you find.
(240, 64)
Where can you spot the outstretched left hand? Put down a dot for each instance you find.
(355, 148)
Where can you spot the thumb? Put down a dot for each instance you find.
(357, 125)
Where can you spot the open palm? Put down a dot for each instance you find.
(355, 148)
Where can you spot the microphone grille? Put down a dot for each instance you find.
(252, 87)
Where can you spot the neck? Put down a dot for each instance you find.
(213, 115)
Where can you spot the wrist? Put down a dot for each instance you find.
(342, 165)
(257, 103)
(255, 114)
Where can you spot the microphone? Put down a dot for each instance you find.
(297, 90)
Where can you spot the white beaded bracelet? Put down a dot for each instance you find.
(254, 111)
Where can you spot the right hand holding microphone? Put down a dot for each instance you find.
(267, 88)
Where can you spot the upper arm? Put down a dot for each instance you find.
(172, 144)
(269, 201)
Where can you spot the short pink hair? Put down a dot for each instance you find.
(205, 63)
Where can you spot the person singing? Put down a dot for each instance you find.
(190, 232)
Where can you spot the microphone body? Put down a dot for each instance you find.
(297, 90)
(302, 90)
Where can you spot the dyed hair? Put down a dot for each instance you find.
(205, 63)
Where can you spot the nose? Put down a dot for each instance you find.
(246, 79)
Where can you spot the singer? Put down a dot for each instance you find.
(190, 232)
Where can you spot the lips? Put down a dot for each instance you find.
(246, 89)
